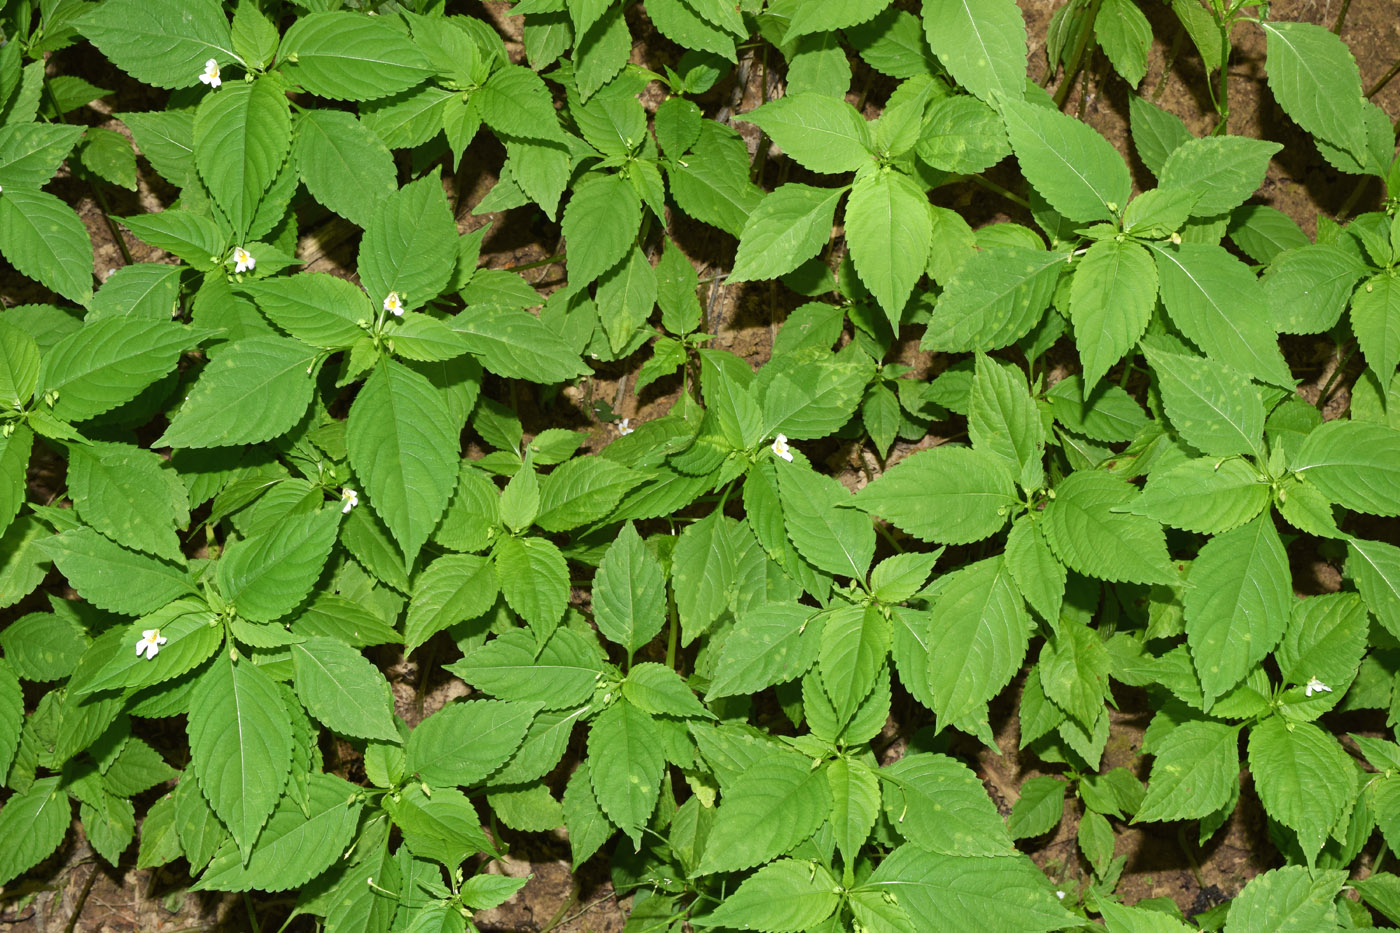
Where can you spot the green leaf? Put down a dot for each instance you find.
(963, 135)
(161, 42)
(1074, 668)
(789, 226)
(626, 296)
(788, 895)
(30, 153)
(14, 466)
(124, 493)
(108, 362)
(1212, 406)
(776, 803)
(1304, 778)
(965, 893)
(855, 803)
(343, 690)
(23, 562)
(600, 225)
(656, 689)
(770, 644)
(251, 390)
(517, 345)
(462, 743)
(1204, 495)
(192, 237)
(820, 133)
(712, 183)
(403, 446)
(1315, 80)
(1003, 420)
(298, 843)
(39, 646)
(1325, 639)
(703, 570)
(345, 166)
(166, 139)
(111, 577)
(410, 245)
(1375, 567)
(515, 101)
(534, 579)
(1038, 575)
(19, 365)
(1039, 809)
(996, 296)
(855, 642)
(1088, 534)
(240, 738)
(34, 822)
(889, 228)
(982, 44)
(834, 538)
(949, 494)
(978, 643)
(582, 491)
(626, 764)
(1075, 169)
(940, 805)
(1287, 900)
(1194, 772)
(1375, 317)
(44, 239)
(1111, 298)
(629, 593)
(241, 138)
(315, 307)
(453, 588)
(1125, 35)
(562, 673)
(1221, 170)
(145, 289)
(1156, 133)
(351, 56)
(1355, 464)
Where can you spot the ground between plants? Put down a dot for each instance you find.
(73, 890)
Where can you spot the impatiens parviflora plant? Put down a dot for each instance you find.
(693, 649)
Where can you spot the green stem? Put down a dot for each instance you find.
(993, 186)
(1072, 69)
(1222, 105)
(548, 261)
(1341, 17)
(252, 915)
(1385, 79)
(1332, 380)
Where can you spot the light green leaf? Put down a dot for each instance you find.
(241, 138)
(832, 537)
(1304, 778)
(963, 135)
(1355, 464)
(410, 245)
(1002, 420)
(703, 570)
(108, 362)
(626, 764)
(111, 577)
(403, 446)
(1194, 772)
(712, 183)
(940, 805)
(34, 822)
(1156, 133)
(14, 466)
(534, 579)
(1087, 534)
(1222, 171)
(1315, 80)
(1375, 317)
(515, 101)
(600, 225)
(453, 588)
(1204, 495)
(626, 296)
(789, 226)
(820, 133)
(19, 365)
(1295, 899)
(44, 239)
(558, 675)
(982, 44)
(855, 641)
(776, 803)
(996, 296)
(1125, 35)
(1004, 894)
(582, 491)
(30, 153)
(240, 738)
(1212, 406)
(124, 493)
(629, 593)
(1039, 809)
(1325, 639)
(889, 229)
(350, 56)
(949, 494)
(462, 743)
(788, 896)
(297, 844)
(1038, 575)
(146, 290)
(830, 15)
(161, 42)
(344, 165)
(770, 644)
(517, 345)
(1069, 163)
(251, 390)
(978, 643)
(1112, 295)
(855, 803)
(343, 690)
(656, 689)
(315, 307)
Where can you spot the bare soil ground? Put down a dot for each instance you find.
(75, 891)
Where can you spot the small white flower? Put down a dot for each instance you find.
(351, 498)
(394, 304)
(780, 447)
(1315, 686)
(151, 640)
(243, 260)
(1060, 895)
(211, 74)
(623, 428)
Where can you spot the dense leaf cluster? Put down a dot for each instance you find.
(689, 645)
